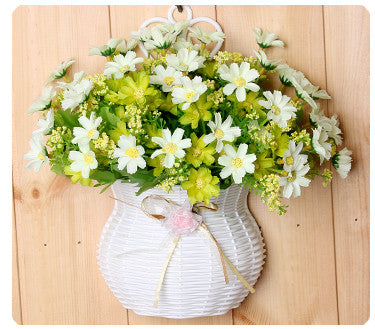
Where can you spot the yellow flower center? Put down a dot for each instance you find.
(196, 152)
(333, 150)
(41, 156)
(206, 38)
(284, 173)
(170, 148)
(88, 158)
(219, 133)
(275, 109)
(200, 183)
(185, 67)
(139, 93)
(124, 68)
(168, 80)
(237, 162)
(291, 178)
(289, 161)
(91, 133)
(240, 82)
(189, 96)
(132, 152)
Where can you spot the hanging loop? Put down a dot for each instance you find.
(189, 17)
(173, 8)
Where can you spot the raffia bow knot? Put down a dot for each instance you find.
(180, 220)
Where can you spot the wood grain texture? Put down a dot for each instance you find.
(298, 282)
(317, 266)
(58, 224)
(348, 61)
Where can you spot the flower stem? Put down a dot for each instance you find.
(281, 88)
(275, 170)
(263, 123)
(295, 99)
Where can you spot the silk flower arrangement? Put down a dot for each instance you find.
(189, 134)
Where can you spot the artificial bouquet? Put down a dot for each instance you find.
(182, 117)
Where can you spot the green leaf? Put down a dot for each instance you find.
(142, 176)
(103, 177)
(299, 116)
(150, 185)
(109, 117)
(58, 169)
(105, 188)
(146, 180)
(67, 118)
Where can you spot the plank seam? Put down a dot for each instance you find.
(16, 254)
(330, 165)
(110, 36)
(109, 21)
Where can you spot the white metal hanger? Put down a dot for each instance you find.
(192, 20)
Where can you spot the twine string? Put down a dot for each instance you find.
(202, 227)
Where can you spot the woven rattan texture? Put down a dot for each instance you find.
(134, 247)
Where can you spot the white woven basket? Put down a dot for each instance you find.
(134, 247)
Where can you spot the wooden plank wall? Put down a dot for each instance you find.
(317, 269)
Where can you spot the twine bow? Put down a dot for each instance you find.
(183, 220)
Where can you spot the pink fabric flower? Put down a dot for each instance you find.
(181, 220)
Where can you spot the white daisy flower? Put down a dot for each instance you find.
(38, 154)
(221, 131)
(280, 110)
(267, 39)
(185, 60)
(141, 35)
(44, 102)
(189, 93)
(45, 125)
(292, 156)
(82, 136)
(307, 86)
(105, 50)
(158, 40)
(83, 161)
(206, 37)
(123, 47)
(122, 64)
(171, 145)
(320, 144)
(174, 28)
(330, 125)
(268, 64)
(240, 78)
(236, 163)
(317, 93)
(285, 73)
(313, 91)
(129, 154)
(60, 71)
(306, 91)
(77, 79)
(342, 162)
(294, 180)
(185, 43)
(166, 77)
(76, 94)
